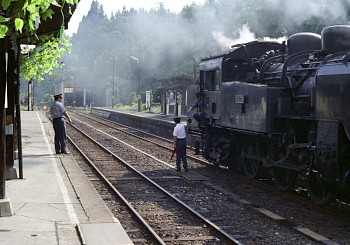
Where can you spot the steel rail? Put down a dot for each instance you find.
(106, 181)
(142, 138)
(207, 221)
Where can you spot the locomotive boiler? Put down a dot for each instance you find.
(282, 110)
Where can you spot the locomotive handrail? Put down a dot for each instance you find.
(327, 58)
(343, 59)
(346, 58)
(247, 53)
(286, 64)
(266, 63)
(308, 68)
(301, 81)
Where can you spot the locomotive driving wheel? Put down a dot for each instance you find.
(232, 160)
(284, 179)
(318, 190)
(251, 167)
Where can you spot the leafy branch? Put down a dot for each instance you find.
(22, 18)
(43, 59)
(26, 15)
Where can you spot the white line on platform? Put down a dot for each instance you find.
(71, 213)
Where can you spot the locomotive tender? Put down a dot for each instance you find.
(281, 109)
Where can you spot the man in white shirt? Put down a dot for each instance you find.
(180, 144)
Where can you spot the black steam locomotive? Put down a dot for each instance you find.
(281, 109)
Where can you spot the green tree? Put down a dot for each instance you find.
(22, 19)
(24, 16)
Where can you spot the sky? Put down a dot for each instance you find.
(110, 6)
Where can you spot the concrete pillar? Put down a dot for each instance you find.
(11, 172)
(5, 208)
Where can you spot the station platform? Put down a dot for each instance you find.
(161, 125)
(54, 203)
(161, 117)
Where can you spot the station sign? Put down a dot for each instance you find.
(148, 99)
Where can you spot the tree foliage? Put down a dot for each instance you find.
(44, 58)
(26, 15)
(22, 18)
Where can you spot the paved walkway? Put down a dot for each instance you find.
(55, 203)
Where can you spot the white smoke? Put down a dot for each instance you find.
(280, 39)
(244, 35)
(295, 14)
(298, 11)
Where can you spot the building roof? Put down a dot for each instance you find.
(177, 79)
(175, 82)
(52, 25)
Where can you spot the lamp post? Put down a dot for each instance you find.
(30, 94)
(139, 87)
(74, 94)
(194, 58)
(74, 99)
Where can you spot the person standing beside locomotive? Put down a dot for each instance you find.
(199, 103)
(180, 144)
(58, 114)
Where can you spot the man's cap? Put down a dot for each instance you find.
(176, 118)
(58, 96)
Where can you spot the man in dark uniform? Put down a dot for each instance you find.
(59, 115)
(198, 104)
(180, 144)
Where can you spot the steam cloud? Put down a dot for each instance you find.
(294, 14)
(162, 42)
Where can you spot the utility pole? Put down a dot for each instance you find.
(30, 94)
(18, 115)
(74, 93)
(113, 86)
(33, 94)
(139, 92)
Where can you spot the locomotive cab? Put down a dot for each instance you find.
(210, 78)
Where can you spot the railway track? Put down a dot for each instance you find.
(166, 218)
(163, 143)
(140, 134)
(195, 194)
